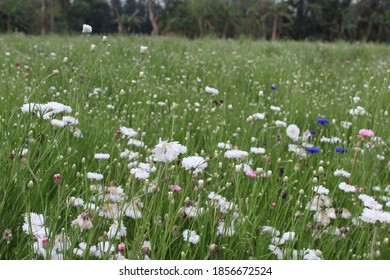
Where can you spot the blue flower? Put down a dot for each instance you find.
(312, 131)
(322, 120)
(281, 170)
(313, 149)
(341, 150)
(273, 87)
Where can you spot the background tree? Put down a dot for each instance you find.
(328, 20)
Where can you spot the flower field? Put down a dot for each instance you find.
(166, 148)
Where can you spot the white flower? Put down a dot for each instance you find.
(341, 172)
(276, 251)
(110, 193)
(194, 162)
(297, 150)
(310, 254)
(191, 236)
(101, 156)
(140, 173)
(146, 246)
(83, 221)
(236, 154)
(268, 229)
(103, 248)
(57, 123)
(320, 190)
(143, 49)
(319, 201)
(110, 211)
(129, 132)
(132, 209)
(34, 224)
(192, 211)
(222, 145)
(275, 108)
(225, 231)
(372, 216)
(94, 176)
(346, 124)
(87, 28)
(166, 151)
(280, 123)
(289, 235)
(211, 90)
(75, 201)
(346, 187)
(116, 230)
(370, 202)
(257, 151)
(70, 120)
(77, 133)
(358, 111)
(258, 116)
(322, 218)
(136, 143)
(293, 131)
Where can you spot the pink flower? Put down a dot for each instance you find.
(45, 243)
(121, 247)
(366, 132)
(175, 188)
(57, 177)
(273, 205)
(251, 173)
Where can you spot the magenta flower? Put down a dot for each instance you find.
(251, 173)
(366, 132)
(175, 188)
(57, 177)
(121, 247)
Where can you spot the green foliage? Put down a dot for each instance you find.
(326, 20)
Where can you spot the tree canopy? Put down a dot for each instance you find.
(351, 20)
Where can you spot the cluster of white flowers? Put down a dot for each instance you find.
(297, 150)
(358, 111)
(142, 171)
(48, 111)
(226, 146)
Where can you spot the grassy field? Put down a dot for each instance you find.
(202, 149)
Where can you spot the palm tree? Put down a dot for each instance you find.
(152, 17)
(277, 11)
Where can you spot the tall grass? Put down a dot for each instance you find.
(168, 101)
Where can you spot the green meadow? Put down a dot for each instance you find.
(167, 148)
